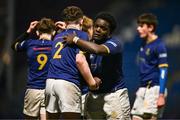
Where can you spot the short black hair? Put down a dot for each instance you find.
(71, 13)
(109, 18)
(149, 19)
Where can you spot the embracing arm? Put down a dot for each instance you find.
(84, 69)
(86, 45)
(92, 47)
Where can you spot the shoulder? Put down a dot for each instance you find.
(160, 46)
(114, 41)
(81, 34)
(160, 43)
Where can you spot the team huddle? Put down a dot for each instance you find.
(75, 69)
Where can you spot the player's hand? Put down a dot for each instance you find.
(161, 101)
(60, 25)
(98, 81)
(96, 85)
(32, 26)
(69, 38)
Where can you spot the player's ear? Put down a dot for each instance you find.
(37, 33)
(81, 21)
(151, 28)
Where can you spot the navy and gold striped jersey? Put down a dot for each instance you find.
(39, 54)
(109, 67)
(63, 62)
(151, 57)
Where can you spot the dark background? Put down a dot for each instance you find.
(16, 15)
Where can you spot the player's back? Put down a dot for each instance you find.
(63, 62)
(39, 54)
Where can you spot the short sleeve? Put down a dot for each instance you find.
(162, 55)
(113, 46)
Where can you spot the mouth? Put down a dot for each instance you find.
(96, 35)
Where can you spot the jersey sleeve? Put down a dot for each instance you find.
(22, 46)
(113, 46)
(162, 55)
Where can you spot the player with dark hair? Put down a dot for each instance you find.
(68, 67)
(150, 97)
(111, 100)
(38, 52)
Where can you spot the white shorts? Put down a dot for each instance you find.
(83, 98)
(34, 102)
(113, 105)
(146, 101)
(62, 96)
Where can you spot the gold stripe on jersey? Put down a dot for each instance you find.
(106, 48)
(82, 52)
(163, 65)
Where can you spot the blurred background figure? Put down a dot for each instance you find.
(153, 69)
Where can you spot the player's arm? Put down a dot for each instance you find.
(163, 70)
(24, 36)
(162, 83)
(18, 40)
(163, 66)
(84, 69)
(86, 45)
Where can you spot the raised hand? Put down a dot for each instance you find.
(60, 25)
(69, 38)
(32, 26)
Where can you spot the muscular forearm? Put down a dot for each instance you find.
(86, 45)
(92, 47)
(85, 71)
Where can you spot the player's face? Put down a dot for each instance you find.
(143, 30)
(101, 30)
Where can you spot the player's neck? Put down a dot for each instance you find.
(45, 37)
(74, 26)
(151, 38)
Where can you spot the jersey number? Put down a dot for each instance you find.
(57, 53)
(42, 60)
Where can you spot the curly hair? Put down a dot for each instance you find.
(45, 25)
(71, 13)
(109, 18)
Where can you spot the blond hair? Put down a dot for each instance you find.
(87, 23)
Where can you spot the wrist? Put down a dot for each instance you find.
(93, 85)
(161, 95)
(28, 31)
(75, 39)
